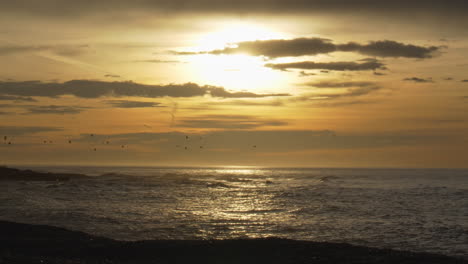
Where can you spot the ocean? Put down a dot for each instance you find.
(423, 210)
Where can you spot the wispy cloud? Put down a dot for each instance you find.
(62, 50)
(23, 130)
(332, 66)
(158, 61)
(16, 98)
(418, 80)
(228, 122)
(333, 84)
(54, 109)
(132, 104)
(112, 76)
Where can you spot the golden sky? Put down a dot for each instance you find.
(261, 82)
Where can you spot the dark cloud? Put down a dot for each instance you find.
(54, 109)
(313, 46)
(64, 8)
(448, 79)
(464, 81)
(23, 130)
(418, 80)
(63, 50)
(132, 104)
(379, 73)
(390, 48)
(16, 98)
(228, 122)
(332, 66)
(96, 89)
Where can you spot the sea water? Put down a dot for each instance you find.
(423, 210)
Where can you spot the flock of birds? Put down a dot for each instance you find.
(107, 142)
(7, 141)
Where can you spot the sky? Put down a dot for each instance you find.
(294, 83)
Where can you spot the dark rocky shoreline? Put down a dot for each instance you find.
(24, 243)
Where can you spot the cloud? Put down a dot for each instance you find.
(132, 104)
(343, 103)
(23, 130)
(305, 74)
(54, 109)
(112, 76)
(332, 66)
(227, 122)
(16, 98)
(158, 61)
(248, 103)
(64, 8)
(326, 84)
(418, 80)
(464, 81)
(221, 92)
(97, 89)
(275, 48)
(353, 89)
(63, 50)
(12, 49)
(390, 48)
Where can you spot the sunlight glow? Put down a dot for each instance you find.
(238, 72)
(236, 32)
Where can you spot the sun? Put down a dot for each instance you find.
(235, 71)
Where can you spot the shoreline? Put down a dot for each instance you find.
(26, 243)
